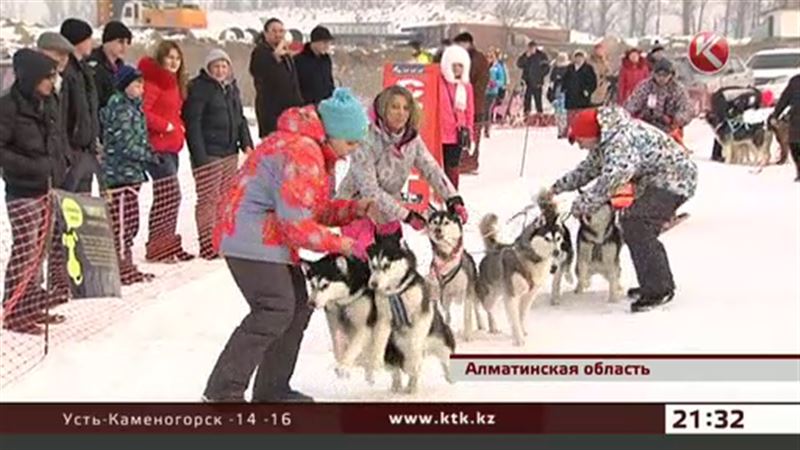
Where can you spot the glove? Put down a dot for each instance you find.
(357, 248)
(416, 221)
(455, 205)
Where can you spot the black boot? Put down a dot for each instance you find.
(293, 396)
(649, 302)
(635, 293)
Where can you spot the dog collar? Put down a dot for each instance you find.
(405, 283)
(348, 300)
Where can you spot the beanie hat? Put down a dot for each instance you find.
(50, 40)
(125, 76)
(215, 55)
(464, 37)
(116, 30)
(31, 67)
(76, 30)
(343, 116)
(320, 33)
(584, 125)
(663, 65)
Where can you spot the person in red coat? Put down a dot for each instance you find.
(164, 91)
(633, 71)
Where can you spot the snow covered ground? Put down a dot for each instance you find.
(735, 260)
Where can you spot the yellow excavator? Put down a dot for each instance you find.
(175, 15)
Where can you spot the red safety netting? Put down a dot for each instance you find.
(157, 226)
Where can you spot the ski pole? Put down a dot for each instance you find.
(524, 148)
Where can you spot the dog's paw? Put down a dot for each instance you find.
(343, 371)
(518, 342)
(397, 388)
(369, 377)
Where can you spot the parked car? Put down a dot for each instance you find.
(701, 86)
(770, 65)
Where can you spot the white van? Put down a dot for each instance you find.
(770, 65)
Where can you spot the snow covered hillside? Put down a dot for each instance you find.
(735, 260)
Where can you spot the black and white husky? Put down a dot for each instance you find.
(598, 248)
(516, 272)
(407, 315)
(453, 275)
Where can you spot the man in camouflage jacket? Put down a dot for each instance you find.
(661, 100)
(624, 150)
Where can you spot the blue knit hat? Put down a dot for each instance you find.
(126, 75)
(343, 116)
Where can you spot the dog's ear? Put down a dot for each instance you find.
(341, 264)
(305, 266)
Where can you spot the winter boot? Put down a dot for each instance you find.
(647, 303)
(635, 293)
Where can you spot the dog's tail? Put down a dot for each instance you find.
(489, 231)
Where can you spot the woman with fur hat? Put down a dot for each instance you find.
(164, 91)
(278, 205)
(381, 166)
(216, 131)
(457, 104)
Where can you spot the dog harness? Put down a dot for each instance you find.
(397, 306)
(447, 269)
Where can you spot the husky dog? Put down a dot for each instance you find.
(453, 271)
(339, 285)
(407, 315)
(598, 248)
(515, 272)
(752, 151)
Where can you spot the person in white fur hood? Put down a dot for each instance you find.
(457, 112)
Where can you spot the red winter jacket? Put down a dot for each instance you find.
(630, 76)
(162, 106)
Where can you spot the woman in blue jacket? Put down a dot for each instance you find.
(498, 80)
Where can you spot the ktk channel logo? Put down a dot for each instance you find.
(709, 52)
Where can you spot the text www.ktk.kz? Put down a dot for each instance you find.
(443, 418)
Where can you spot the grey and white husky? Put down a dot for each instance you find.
(598, 247)
(407, 315)
(454, 274)
(516, 272)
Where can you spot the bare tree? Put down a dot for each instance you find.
(742, 10)
(510, 13)
(701, 7)
(632, 18)
(658, 17)
(605, 17)
(687, 9)
(643, 14)
(578, 8)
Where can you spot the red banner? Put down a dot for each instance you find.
(423, 82)
(344, 418)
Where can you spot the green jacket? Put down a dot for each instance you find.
(127, 150)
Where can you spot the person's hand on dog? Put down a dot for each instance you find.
(455, 205)
(416, 220)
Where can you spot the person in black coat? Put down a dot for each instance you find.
(791, 98)
(315, 68)
(579, 83)
(216, 130)
(82, 119)
(535, 66)
(32, 159)
(274, 76)
(107, 59)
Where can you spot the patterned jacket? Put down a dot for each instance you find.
(672, 108)
(629, 151)
(380, 168)
(280, 201)
(127, 148)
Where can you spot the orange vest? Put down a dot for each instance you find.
(623, 198)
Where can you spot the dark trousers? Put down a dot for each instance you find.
(80, 174)
(212, 183)
(163, 221)
(535, 92)
(23, 296)
(452, 160)
(124, 209)
(641, 225)
(268, 338)
(795, 150)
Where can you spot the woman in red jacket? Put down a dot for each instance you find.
(164, 91)
(633, 71)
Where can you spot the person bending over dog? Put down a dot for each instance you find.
(623, 150)
(279, 204)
